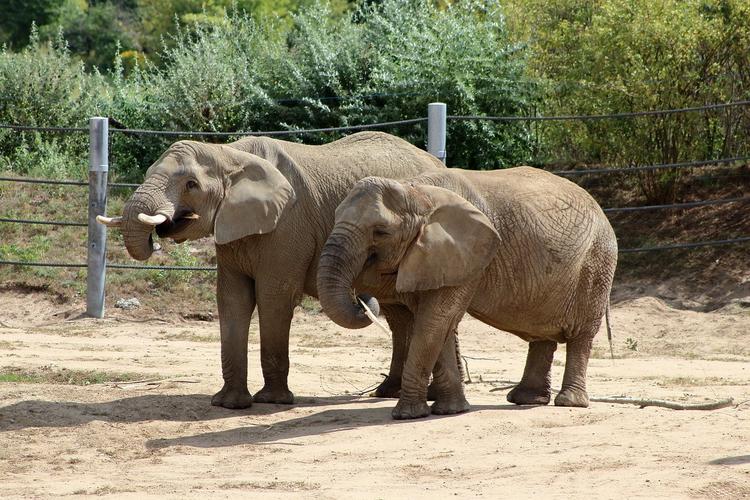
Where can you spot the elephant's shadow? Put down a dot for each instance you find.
(197, 407)
(315, 424)
(175, 408)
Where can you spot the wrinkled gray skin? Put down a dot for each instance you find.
(521, 249)
(270, 205)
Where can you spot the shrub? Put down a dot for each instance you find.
(42, 85)
(382, 63)
(632, 55)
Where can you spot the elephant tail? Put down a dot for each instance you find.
(609, 331)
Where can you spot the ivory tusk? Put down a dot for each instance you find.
(192, 216)
(373, 318)
(109, 221)
(152, 220)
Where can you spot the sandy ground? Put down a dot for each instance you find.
(163, 438)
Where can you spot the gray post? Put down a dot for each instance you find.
(97, 242)
(436, 127)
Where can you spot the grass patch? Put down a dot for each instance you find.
(693, 381)
(63, 376)
(189, 336)
(310, 305)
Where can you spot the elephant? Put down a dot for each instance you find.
(521, 249)
(270, 205)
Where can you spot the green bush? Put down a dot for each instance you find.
(631, 55)
(43, 85)
(386, 61)
(381, 63)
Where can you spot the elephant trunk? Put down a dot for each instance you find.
(341, 261)
(148, 199)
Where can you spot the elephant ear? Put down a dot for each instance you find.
(254, 199)
(455, 244)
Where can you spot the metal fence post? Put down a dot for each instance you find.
(436, 127)
(97, 242)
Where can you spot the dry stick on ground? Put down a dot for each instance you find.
(673, 405)
(466, 364)
(151, 381)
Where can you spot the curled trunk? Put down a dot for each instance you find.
(340, 262)
(148, 199)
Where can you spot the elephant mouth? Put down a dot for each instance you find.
(173, 226)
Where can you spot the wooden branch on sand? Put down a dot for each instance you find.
(672, 405)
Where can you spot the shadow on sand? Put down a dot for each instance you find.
(164, 407)
(319, 423)
(197, 407)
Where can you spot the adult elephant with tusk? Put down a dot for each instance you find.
(270, 205)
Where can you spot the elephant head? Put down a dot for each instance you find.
(198, 189)
(394, 237)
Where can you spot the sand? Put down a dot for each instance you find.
(160, 437)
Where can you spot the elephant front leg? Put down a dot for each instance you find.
(275, 313)
(447, 386)
(400, 320)
(438, 316)
(535, 386)
(236, 301)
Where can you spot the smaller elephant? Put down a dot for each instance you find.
(521, 249)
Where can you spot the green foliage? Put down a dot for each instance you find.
(461, 56)
(384, 63)
(49, 375)
(42, 85)
(261, 65)
(18, 17)
(94, 31)
(631, 55)
(180, 256)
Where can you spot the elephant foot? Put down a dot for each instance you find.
(528, 396)
(409, 410)
(451, 406)
(572, 397)
(389, 388)
(282, 396)
(233, 398)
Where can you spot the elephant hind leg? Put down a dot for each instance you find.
(573, 391)
(535, 385)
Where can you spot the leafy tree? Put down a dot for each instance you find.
(631, 55)
(95, 31)
(19, 15)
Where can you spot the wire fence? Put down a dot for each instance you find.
(346, 128)
(609, 116)
(118, 129)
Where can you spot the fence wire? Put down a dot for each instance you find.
(612, 170)
(123, 130)
(610, 116)
(658, 112)
(689, 204)
(185, 133)
(44, 222)
(660, 166)
(676, 246)
(32, 128)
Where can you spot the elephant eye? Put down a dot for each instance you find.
(191, 184)
(380, 232)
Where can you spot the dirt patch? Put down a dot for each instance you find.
(160, 436)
